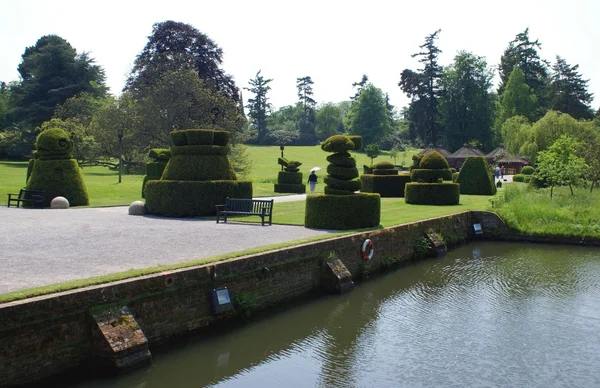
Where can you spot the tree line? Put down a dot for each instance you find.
(177, 81)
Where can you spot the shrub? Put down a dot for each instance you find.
(527, 179)
(342, 172)
(385, 165)
(367, 169)
(192, 198)
(59, 178)
(199, 136)
(385, 185)
(432, 193)
(377, 171)
(430, 176)
(340, 184)
(199, 150)
(160, 153)
(221, 138)
(527, 170)
(342, 212)
(53, 143)
(289, 177)
(536, 182)
(434, 160)
(297, 188)
(518, 178)
(342, 159)
(338, 143)
(475, 177)
(357, 140)
(199, 168)
(178, 138)
(417, 160)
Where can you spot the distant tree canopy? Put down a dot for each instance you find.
(259, 106)
(368, 116)
(175, 46)
(568, 91)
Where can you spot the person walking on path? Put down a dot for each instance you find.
(312, 180)
(502, 172)
(497, 172)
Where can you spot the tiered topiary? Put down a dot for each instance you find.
(341, 207)
(197, 177)
(290, 180)
(475, 177)
(385, 180)
(432, 182)
(55, 171)
(154, 169)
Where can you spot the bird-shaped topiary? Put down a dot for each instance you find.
(289, 180)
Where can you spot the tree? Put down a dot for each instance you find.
(5, 107)
(368, 116)
(372, 150)
(359, 87)
(259, 106)
(559, 165)
(175, 46)
(523, 53)
(329, 120)
(307, 122)
(588, 150)
(394, 152)
(85, 147)
(517, 100)
(422, 88)
(52, 72)
(568, 91)
(466, 104)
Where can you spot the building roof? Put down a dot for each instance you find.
(466, 151)
(500, 155)
(431, 148)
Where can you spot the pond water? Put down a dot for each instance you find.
(485, 315)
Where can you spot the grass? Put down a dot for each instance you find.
(532, 212)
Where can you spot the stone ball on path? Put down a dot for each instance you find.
(59, 203)
(137, 208)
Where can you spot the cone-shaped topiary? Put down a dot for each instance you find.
(54, 171)
(475, 177)
(340, 207)
(197, 177)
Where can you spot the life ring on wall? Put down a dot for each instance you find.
(367, 250)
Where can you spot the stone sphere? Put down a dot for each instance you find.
(59, 203)
(137, 208)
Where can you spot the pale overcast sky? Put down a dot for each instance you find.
(334, 42)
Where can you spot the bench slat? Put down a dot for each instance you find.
(244, 206)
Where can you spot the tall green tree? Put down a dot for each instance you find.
(52, 72)
(517, 100)
(175, 46)
(466, 102)
(259, 106)
(569, 92)
(368, 116)
(422, 87)
(329, 121)
(364, 81)
(307, 122)
(5, 107)
(523, 53)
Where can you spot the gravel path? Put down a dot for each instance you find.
(42, 247)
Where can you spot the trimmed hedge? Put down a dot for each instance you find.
(434, 160)
(154, 170)
(199, 168)
(527, 170)
(342, 212)
(340, 184)
(178, 138)
(160, 154)
(342, 172)
(357, 140)
(378, 171)
(199, 150)
(385, 165)
(29, 169)
(53, 143)
(289, 177)
(189, 199)
(430, 176)
(385, 185)
(59, 178)
(432, 193)
(475, 177)
(221, 138)
(298, 188)
(518, 178)
(342, 159)
(338, 143)
(289, 165)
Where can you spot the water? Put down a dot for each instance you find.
(486, 315)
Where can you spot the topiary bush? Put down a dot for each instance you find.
(357, 140)
(155, 168)
(433, 161)
(342, 172)
(342, 212)
(343, 159)
(432, 193)
(289, 180)
(386, 185)
(338, 144)
(475, 177)
(197, 177)
(430, 176)
(518, 178)
(527, 170)
(385, 165)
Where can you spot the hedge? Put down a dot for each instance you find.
(432, 193)
(527, 170)
(199, 150)
(339, 184)
(342, 172)
(160, 153)
(433, 160)
(518, 178)
(385, 185)
(377, 171)
(384, 165)
(199, 168)
(178, 138)
(342, 159)
(342, 212)
(189, 199)
(338, 143)
(298, 188)
(59, 178)
(289, 177)
(430, 176)
(475, 177)
(53, 143)
(357, 140)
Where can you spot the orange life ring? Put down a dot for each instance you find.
(367, 250)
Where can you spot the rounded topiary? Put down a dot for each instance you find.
(384, 165)
(338, 143)
(527, 170)
(342, 172)
(432, 193)
(342, 159)
(475, 177)
(518, 178)
(416, 160)
(342, 212)
(53, 143)
(434, 161)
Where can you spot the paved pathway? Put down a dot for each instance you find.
(42, 247)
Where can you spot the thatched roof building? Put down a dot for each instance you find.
(458, 158)
(500, 156)
(431, 148)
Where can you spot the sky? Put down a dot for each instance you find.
(334, 42)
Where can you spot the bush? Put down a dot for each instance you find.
(536, 182)
(189, 199)
(377, 171)
(475, 177)
(342, 172)
(199, 136)
(518, 178)
(53, 143)
(342, 212)
(432, 193)
(527, 179)
(340, 184)
(417, 160)
(154, 170)
(59, 178)
(160, 154)
(199, 150)
(297, 188)
(337, 143)
(221, 138)
(527, 170)
(430, 176)
(434, 160)
(289, 177)
(384, 165)
(357, 140)
(385, 185)
(344, 159)
(178, 138)
(199, 168)
(280, 138)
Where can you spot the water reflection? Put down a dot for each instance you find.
(485, 315)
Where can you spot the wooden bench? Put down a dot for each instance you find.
(35, 198)
(249, 207)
